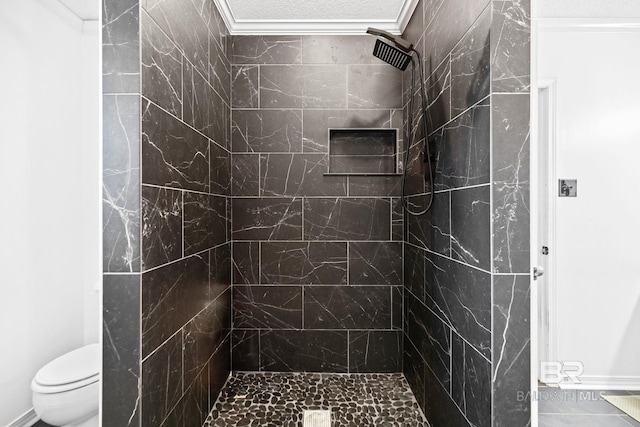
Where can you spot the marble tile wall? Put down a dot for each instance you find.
(466, 265)
(167, 203)
(317, 260)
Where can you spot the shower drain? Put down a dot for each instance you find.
(317, 418)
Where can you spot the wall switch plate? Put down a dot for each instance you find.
(567, 188)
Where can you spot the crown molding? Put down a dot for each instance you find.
(313, 26)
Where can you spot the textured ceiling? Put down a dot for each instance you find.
(314, 16)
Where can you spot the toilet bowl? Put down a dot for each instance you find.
(65, 390)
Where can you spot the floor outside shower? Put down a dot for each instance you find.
(279, 399)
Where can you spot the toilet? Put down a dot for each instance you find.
(65, 390)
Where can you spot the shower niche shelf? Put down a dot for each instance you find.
(363, 152)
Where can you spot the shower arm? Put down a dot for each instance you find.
(400, 43)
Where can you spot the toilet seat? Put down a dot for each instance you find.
(70, 371)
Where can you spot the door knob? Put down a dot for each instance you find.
(537, 272)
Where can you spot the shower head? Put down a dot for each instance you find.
(400, 43)
(399, 55)
(391, 55)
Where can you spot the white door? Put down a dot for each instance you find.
(593, 292)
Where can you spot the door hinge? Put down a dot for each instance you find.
(545, 250)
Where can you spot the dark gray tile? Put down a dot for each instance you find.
(511, 183)
(374, 186)
(244, 86)
(324, 86)
(307, 351)
(511, 354)
(205, 222)
(363, 164)
(439, 95)
(219, 71)
(197, 96)
(414, 270)
(267, 219)
(338, 49)
(162, 218)
(397, 220)
(121, 184)
(552, 400)
(548, 420)
(219, 370)
(218, 28)
(439, 408)
(413, 368)
(347, 307)
(432, 230)
(416, 25)
(245, 174)
(219, 269)
(318, 122)
(375, 263)
(186, 27)
(471, 382)
(204, 334)
(195, 402)
(173, 155)
(267, 307)
(219, 120)
(375, 351)
(347, 219)
(446, 26)
(397, 304)
(220, 170)
(121, 349)
(510, 55)
(161, 67)
(277, 131)
(171, 296)
(266, 49)
(471, 226)
(461, 296)
(470, 66)
(162, 381)
(463, 152)
(299, 175)
(281, 86)
(374, 86)
(245, 349)
(319, 263)
(246, 263)
(121, 46)
(431, 337)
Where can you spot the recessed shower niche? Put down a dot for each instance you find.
(363, 152)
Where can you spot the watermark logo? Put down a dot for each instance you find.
(561, 372)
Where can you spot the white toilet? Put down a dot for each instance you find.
(65, 390)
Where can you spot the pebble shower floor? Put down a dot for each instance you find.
(279, 400)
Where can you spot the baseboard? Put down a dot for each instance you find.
(595, 382)
(27, 419)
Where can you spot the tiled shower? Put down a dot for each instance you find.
(317, 283)
(229, 246)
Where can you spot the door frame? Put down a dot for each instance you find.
(546, 154)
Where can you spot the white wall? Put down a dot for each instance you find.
(598, 142)
(586, 8)
(49, 216)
